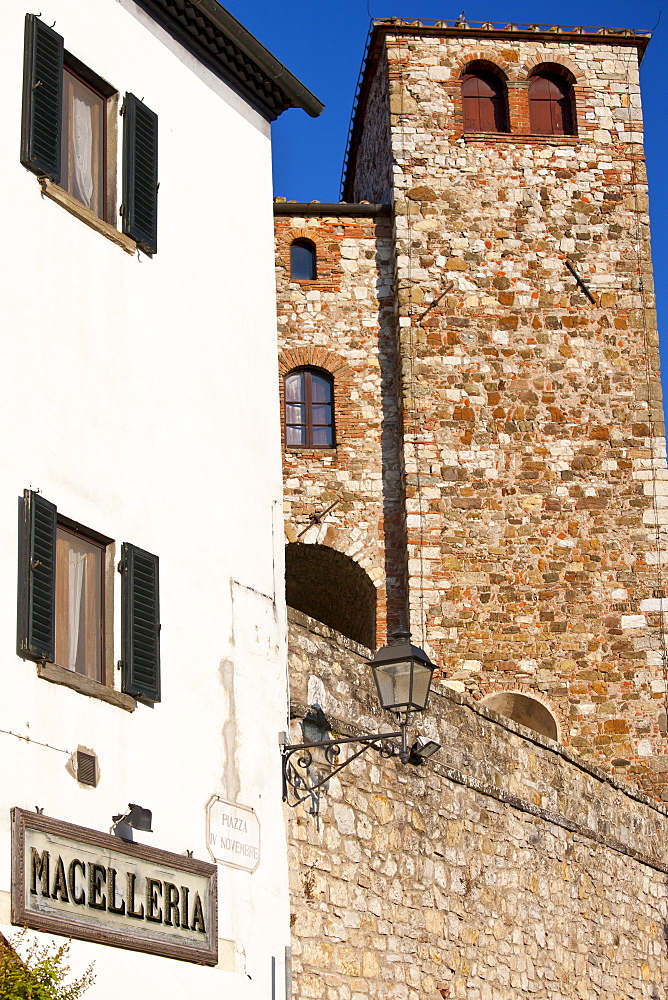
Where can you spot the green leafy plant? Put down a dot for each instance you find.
(33, 971)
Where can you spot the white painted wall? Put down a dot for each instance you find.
(140, 396)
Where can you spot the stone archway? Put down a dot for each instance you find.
(332, 588)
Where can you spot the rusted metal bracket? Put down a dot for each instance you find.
(435, 302)
(317, 518)
(581, 283)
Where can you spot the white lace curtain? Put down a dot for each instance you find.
(82, 173)
(76, 574)
(78, 604)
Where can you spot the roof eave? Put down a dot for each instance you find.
(300, 95)
(337, 209)
(287, 89)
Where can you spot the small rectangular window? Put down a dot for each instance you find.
(69, 138)
(79, 604)
(86, 768)
(65, 606)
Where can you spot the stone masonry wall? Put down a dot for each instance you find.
(505, 868)
(374, 161)
(344, 322)
(533, 450)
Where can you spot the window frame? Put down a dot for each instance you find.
(308, 404)
(45, 61)
(306, 244)
(109, 138)
(39, 521)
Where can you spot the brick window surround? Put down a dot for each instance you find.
(328, 361)
(517, 81)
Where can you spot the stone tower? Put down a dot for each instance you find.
(498, 376)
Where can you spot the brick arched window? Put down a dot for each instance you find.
(484, 101)
(551, 105)
(309, 408)
(303, 261)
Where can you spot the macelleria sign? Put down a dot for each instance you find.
(85, 884)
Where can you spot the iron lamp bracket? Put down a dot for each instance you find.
(300, 777)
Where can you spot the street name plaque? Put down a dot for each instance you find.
(80, 883)
(233, 834)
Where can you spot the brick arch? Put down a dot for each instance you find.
(334, 537)
(557, 64)
(303, 234)
(361, 549)
(490, 56)
(525, 706)
(315, 357)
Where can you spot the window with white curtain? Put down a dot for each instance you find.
(69, 138)
(79, 603)
(83, 145)
(65, 606)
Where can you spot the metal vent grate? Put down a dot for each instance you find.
(86, 768)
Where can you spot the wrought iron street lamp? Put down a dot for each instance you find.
(403, 675)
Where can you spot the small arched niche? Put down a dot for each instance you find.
(332, 588)
(525, 710)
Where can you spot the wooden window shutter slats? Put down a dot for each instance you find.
(37, 578)
(42, 98)
(140, 173)
(140, 623)
(550, 105)
(484, 102)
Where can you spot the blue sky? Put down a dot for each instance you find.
(323, 44)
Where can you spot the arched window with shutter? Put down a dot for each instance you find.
(309, 408)
(303, 264)
(484, 100)
(551, 105)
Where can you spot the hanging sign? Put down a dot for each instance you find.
(233, 834)
(84, 884)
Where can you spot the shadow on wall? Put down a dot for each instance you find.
(394, 487)
(526, 711)
(332, 588)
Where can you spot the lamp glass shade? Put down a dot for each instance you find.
(403, 686)
(421, 684)
(403, 674)
(393, 681)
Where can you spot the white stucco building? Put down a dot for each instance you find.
(139, 401)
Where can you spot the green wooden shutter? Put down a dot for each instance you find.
(140, 623)
(140, 173)
(42, 98)
(37, 578)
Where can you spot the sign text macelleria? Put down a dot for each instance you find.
(96, 886)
